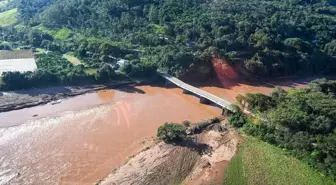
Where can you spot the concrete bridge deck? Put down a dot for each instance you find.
(219, 101)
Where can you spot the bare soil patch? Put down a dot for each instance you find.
(188, 163)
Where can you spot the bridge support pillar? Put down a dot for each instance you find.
(204, 100)
(185, 91)
(167, 82)
(225, 112)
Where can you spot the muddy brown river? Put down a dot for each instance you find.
(82, 139)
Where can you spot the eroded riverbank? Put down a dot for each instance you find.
(21, 99)
(82, 139)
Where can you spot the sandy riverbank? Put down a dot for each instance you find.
(200, 161)
(15, 100)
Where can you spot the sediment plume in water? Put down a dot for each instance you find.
(84, 145)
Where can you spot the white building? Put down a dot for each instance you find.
(20, 60)
(122, 62)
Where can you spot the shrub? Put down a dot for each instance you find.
(186, 123)
(171, 132)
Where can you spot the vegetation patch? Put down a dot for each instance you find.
(8, 17)
(158, 29)
(74, 60)
(171, 132)
(60, 34)
(90, 71)
(260, 163)
(300, 121)
(3, 3)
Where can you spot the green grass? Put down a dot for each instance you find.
(258, 163)
(19, 27)
(71, 58)
(90, 71)
(8, 17)
(160, 29)
(40, 51)
(60, 34)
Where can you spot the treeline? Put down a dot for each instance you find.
(277, 37)
(55, 70)
(301, 121)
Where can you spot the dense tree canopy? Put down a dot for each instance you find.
(302, 121)
(276, 37)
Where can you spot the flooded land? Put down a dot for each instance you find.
(82, 139)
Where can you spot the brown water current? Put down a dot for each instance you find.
(82, 139)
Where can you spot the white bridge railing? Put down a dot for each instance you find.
(219, 101)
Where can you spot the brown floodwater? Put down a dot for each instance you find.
(82, 139)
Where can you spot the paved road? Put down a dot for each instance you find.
(219, 101)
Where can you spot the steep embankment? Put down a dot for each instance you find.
(196, 162)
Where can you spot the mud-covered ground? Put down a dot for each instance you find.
(15, 100)
(191, 162)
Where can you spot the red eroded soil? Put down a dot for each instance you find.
(228, 81)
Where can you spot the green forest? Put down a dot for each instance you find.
(267, 37)
(300, 121)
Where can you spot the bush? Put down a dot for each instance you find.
(171, 132)
(186, 123)
(237, 119)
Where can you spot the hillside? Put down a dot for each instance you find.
(269, 38)
(8, 17)
(261, 163)
(95, 42)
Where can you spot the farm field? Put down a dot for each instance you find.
(8, 17)
(260, 163)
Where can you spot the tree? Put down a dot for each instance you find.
(237, 119)
(278, 95)
(171, 132)
(330, 48)
(298, 44)
(256, 66)
(108, 49)
(105, 73)
(261, 40)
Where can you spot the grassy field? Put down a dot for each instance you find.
(90, 71)
(61, 34)
(8, 17)
(258, 163)
(74, 60)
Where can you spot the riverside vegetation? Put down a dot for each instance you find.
(300, 121)
(268, 38)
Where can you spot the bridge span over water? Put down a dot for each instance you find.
(205, 97)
